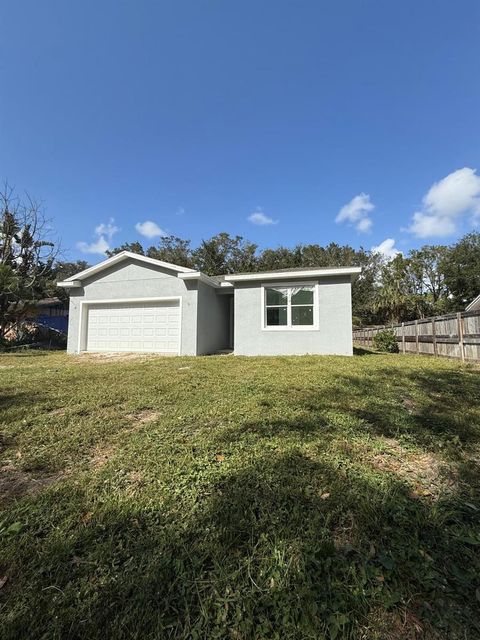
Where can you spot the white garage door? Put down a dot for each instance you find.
(144, 327)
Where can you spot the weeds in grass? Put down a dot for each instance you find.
(254, 498)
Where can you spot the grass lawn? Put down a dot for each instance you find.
(235, 498)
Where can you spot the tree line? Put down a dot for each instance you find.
(432, 280)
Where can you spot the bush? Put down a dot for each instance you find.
(386, 341)
(357, 321)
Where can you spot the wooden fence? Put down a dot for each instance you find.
(456, 335)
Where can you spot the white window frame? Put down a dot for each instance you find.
(288, 326)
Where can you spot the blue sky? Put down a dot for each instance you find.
(329, 121)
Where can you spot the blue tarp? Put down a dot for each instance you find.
(60, 323)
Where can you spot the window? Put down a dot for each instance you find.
(289, 307)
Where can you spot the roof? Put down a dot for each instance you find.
(75, 280)
(49, 302)
(225, 280)
(474, 305)
(296, 272)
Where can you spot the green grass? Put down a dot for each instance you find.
(237, 498)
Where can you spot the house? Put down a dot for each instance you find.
(131, 303)
(474, 305)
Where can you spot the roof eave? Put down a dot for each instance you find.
(291, 275)
(474, 304)
(202, 277)
(124, 255)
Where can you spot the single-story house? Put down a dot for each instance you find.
(133, 303)
(474, 305)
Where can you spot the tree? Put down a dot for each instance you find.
(393, 299)
(133, 247)
(225, 254)
(280, 258)
(461, 268)
(365, 285)
(426, 267)
(174, 250)
(61, 271)
(26, 257)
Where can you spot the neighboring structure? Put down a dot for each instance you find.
(474, 305)
(52, 313)
(134, 303)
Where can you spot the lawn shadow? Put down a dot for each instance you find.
(430, 408)
(20, 352)
(434, 410)
(361, 351)
(286, 547)
(21, 400)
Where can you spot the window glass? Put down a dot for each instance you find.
(302, 295)
(302, 315)
(276, 316)
(276, 296)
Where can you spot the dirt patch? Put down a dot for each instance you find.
(142, 417)
(101, 455)
(136, 477)
(425, 472)
(120, 357)
(58, 412)
(345, 537)
(15, 483)
(409, 405)
(404, 625)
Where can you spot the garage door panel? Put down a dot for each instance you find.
(152, 327)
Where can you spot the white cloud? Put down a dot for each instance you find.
(387, 249)
(261, 218)
(364, 225)
(446, 203)
(98, 246)
(426, 226)
(149, 229)
(103, 233)
(108, 229)
(356, 212)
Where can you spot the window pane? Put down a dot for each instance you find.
(302, 315)
(276, 296)
(302, 295)
(276, 316)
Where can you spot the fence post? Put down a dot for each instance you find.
(403, 338)
(416, 337)
(434, 337)
(460, 335)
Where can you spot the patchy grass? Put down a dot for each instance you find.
(239, 498)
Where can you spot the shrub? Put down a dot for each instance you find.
(386, 340)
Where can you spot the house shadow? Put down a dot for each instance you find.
(360, 351)
(287, 545)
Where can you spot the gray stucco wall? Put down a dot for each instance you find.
(212, 320)
(131, 279)
(333, 336)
